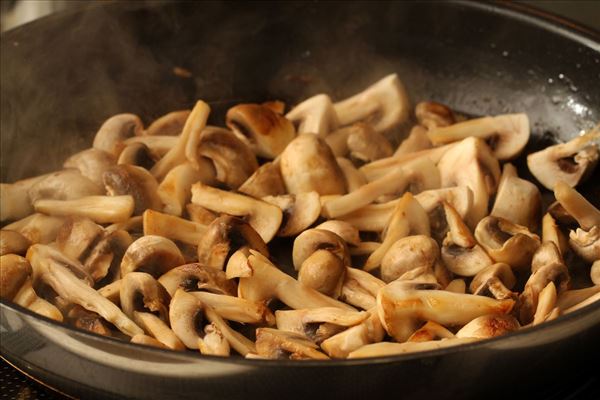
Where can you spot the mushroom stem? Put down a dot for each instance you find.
(171, 227)
(237, 309)
(342, 344)
(582, 210)
(28, 298)
(175, 190)
(360, 288)
(389, 348)
(158, 329)
(100, 209)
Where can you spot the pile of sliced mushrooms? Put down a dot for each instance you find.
(160, 235)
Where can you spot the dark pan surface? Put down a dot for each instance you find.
(63, 75)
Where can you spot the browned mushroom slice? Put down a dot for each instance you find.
(87, 320)
(410, 253)
(471, 163)
(28, 298)
(506, 134)
(570, 298)
(360, 288)
(136, 182)
(157, 146)
(223, 237)
(368, 331)
(14, 272)
(263, 217)
(433, 115)
(68, 184)
(141, 292)
(100, 209)
(354, 178)
(115, 130)
(299, 211)
(278, 345)
(12, 242)
(49, 266)
(343, 229)
(595, 273)
(78, 236)
(585, 303)
(552, 233)
(170, 124)
(137, 154)
(547, 266)
(506, 242)
(361, 142)
(546, 304)
(237, 309)
(265, 181)
(112, 292)
(383, 105)
(147, 341)
(266, 131)
(14, 198)
(312, 240)
(489, 326)
(152, 254)
(391, 349)
(495, 280)
(194, 277)
(214, 342)
(586, 244)
(315, 115)
(517, 200)
(91, 163)
(570, 162)
(173, 228)
(199, 214)
(324, 272)
(401, 305)
(430, 331)
(307, 164)
(37, 228)
(417, 140)
(457, 286)
(175, 189)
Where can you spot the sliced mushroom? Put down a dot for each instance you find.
(324, 272)
(517, 200)
(506, 134)
(430, 331)
(175, 191)
(383, 349)
(157, 147)
(214, 342)
(147, 341)
(354, 178)
(546, 303)
(37, 228)
(360, 288)
(266, 131)
(158, 329)
(223, 237)
(570, 298)
(115, 130)
(67, 184)
(460, 252)
(407, 254)
(91, 163)
(307, 164)
(199, 214)
(15, 270)
(14, 198)
(471, 163)
(299, 211)
(276, 344)
(383, 105)
(132, 225)
(496, 280)
(489, 326)
(595, 273)
(586, 244)
(100, 209)
(433, 115)
(112, 292)
(170, 124)
(368, 331)
(87, 320)
(315, 115)
(77, 237)
(194, 277)
(402, 304)
(577, 206)
(417, 140)
(134, 181)
(152, 254)
(48, 267)
(173, 228)
(263, 217)
(137, 154)
(236, 309)
(457, 286)
(142, 293)
(12, 242)
(361, 142)
(506, 242)
(311, 240)
(343, 229)
(570, 162)
(585, 303)
(265, 181)
(552, 233)
(28, 298)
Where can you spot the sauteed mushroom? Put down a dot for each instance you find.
(169, 124)
(12, 242)
(115, 130)
(315, 115)
(152, 254)
(91, 163)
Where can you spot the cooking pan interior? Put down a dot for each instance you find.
(64, 75)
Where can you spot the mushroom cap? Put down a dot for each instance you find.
(266, 131)
(343, 229)
(138, 154)
(170, 124)
(308, 164)
(586, 244)
(141, 292)
(265, 181)
(12, 242)
(134, 181)
(312, 240)
(194, 277)
(409, 253)
(115, 130)
(152, 254)
(324, 272)
(68, 184)
(299, 211)
(488, 326)
(14, 271)
(91, 163)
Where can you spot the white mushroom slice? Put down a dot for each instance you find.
(199, 214)
(360, 288)
(14, 271)
(266, 131)
(457, 286)
(569, 298)
(315, 115)
(157, 145)
(268, 282)
(586, 244)
(324, 272)
(237, 309)
(552, 233)
(112, 292)
(265, 181)
(48, 267)
(152, 254)
(342, 344)
(237, 265)
(187, 143)
(595, 273)
(430, 331)
(407, 218)
(417, 140)
(91, 163)
(276, 344)
(459, 197)
(12, 242)
(360, 142)
(263, 217)
(495, 280)
(371, 218)
(570, 162)
(100, 209)
(175, 191)
(312, 240)
(28, 298)
(506, 242)
(343, 229)
(14, 198)
(546, 303)
(115, 130)
(171, 227)
(137, 182)
(471, 163)
(67, 184)
(300, 211)
(170, 124)
(307, 164)
(338, 140)
(354, 178)
(37, 228)
(460, 252)
(383, 105)
(401, 305)
(104, 259)
(224, 236)
(140, 292)
(318, 324)
(585, 303)
(419, 175)
(407, 254)
(391, 349)
(77, 237)
(158, 329)
(194, 277)
(133, 224)
(576, 205)
(214, 342)
(517, 200)
(489, 326)
(147, 341)
(433, 115)
(137, 154)
(506, 134)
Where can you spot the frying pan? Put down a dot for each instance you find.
(64, 74)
